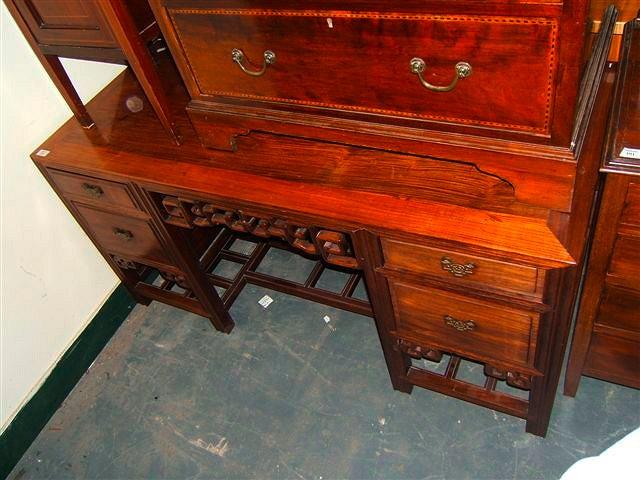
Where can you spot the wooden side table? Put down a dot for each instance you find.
(114, 31)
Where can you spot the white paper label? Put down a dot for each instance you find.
(265, 301)
(630, 153)
(42, 152)
(326, 319)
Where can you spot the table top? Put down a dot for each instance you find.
(315, 181)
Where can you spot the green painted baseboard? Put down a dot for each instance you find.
(34, 415)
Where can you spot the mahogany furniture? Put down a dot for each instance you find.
(344, 131)
(113, 31)
(606, 341)
(505, 69)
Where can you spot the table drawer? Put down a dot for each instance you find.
(464, 325)
(130, 237)
(462, 268)
(104, 192)
(68, 22)
(367, 61)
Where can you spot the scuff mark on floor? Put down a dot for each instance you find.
(220, 449)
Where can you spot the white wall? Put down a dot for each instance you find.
(52, 278)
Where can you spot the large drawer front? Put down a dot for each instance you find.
(130, 237)
(361, 62)
(461, 268)
(465, 325)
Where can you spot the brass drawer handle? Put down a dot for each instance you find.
(126, 235)
(457, 269)
(92, 190)
(237, 56)
(460, 325)
(418, 65)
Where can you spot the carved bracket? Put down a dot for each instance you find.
(334, 247)
(513, 379)
(176, 278)
(124, 263)
(417, 352)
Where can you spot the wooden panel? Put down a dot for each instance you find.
(101, 191)
(631, 212)
(489, 332)
(131, 237)
(614, 358)
(459, 267)
(66, 22)
(620, 308)
(625, 262)
(337, 63)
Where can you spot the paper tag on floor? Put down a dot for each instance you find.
(630, 153)
(265, 301)
(326, 318)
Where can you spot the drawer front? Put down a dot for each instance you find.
(631, 212)
(362, 62)
(464, 325)
(625, 261)
(462, 268)
(620, 308)
(68, 22)
(614, 358)
(101, 191)
(130, 237)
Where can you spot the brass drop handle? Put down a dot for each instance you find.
(460, 325)
(418, 65)
(238, 56)
(92, 190)
(126, 235)
(457, 269)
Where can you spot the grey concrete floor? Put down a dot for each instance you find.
(289, 396)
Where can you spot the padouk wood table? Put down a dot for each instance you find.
(450, 166)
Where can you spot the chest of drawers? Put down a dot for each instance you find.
(606, 342)
(501, 69)
(464, 209)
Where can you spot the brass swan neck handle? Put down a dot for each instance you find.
(418, 66)
(238, 56)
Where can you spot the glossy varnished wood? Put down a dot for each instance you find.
(517, 212)
(468, 270)
(464, 325)
(502, 98)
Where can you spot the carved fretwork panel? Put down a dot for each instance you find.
(334, 247)
(176, 278)
(417, 352)
(513, 379)
(125, 264)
